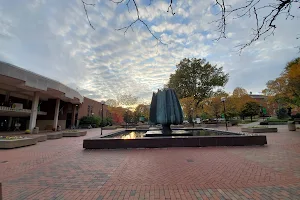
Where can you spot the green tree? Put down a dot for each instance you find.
(197, 78)
(141, 111)
(250, 109)
(282, 113)
(93, 120)
(128, 116)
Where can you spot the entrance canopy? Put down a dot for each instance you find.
(23, 84)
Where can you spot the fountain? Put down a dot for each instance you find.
(165, 109)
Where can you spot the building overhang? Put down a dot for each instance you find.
(23, 83)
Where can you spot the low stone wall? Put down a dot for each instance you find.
(109, 128)
(83, 133)
(161, 142)
(259, 130)
(55, 135)
(10, 144)
(210, 125)
(177, 126)
(71, 134)
(142, 127)
(277, 123)
(39, 138)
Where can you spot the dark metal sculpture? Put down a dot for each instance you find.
(165, 109)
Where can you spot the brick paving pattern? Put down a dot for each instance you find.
(62, 169)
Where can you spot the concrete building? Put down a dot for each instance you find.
(29, 100)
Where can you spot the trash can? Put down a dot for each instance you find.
(58, 128)
(291, 126)
(35, 130)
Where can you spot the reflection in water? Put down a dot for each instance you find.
(131, 135)
(140, 134)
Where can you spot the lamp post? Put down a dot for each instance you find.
(126, 116)
(192, 109)
(102, 103)
(223, 99)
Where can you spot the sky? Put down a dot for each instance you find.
(53, 38)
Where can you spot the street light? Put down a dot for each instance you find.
(102, 103)
(192, 109)
(126, 117)
(223, 99)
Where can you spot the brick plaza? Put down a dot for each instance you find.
(62, 169)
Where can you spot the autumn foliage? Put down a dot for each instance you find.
(285, 90)
(117, 114)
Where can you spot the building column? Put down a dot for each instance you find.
(56, 112)
(9, 122)
(73, 123)
(33, 114)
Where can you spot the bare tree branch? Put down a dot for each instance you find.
(265, 25)
(138, 20)
(86, 13)
(265, 15)
(170, 8)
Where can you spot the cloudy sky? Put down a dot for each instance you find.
(54, 39)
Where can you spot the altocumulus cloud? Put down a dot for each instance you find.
(53, 38)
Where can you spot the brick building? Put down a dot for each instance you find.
(29, 100)
(90, 107)
(263, 102)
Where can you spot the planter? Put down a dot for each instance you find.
(52, 136)
(260, 130)
(82, 133)
(39, 138)
(15, 143)
(292, 126)
(71, 134)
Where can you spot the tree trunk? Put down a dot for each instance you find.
(166, 129)
(251, 118)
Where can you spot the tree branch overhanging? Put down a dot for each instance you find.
(265, 25)
(138, 19)
(86, 13)
(265, 15)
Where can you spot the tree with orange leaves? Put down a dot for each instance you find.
(285, 89)
(117, 114)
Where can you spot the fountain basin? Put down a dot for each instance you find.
(117, 142)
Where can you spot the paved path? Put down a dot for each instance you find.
(61, 169)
